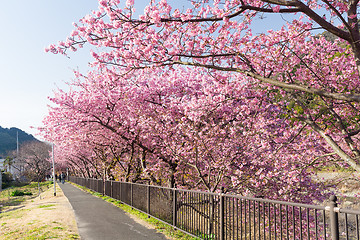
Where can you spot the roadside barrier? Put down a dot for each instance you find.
(225, 216)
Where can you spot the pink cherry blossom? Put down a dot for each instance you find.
(197, 98)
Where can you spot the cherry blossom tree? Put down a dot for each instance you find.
(314, 80)
(35, 157)
(183, 128)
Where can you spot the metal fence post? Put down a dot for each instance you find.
(334, 218)
(104, 183)
(174, 207)
(104, 187)
(148, 199)
(222, 218)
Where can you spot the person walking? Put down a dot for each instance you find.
(62, 178)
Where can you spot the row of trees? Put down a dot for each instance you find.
(191, 98)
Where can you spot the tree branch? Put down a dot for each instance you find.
(277, 83)
(337, 149)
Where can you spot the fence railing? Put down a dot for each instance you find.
(223, 216)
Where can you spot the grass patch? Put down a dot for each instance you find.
(18, 213)
(46, 206)
(38, 229)
(41, 233)
(73, 236)
(15, 195)
(12, 232)
(32, 222)
(167, 230)
(34, 230)
(61, 228)
(22, 222)
(20, 193)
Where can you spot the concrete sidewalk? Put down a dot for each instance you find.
(100, 220)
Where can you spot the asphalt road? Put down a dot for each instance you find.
(100, 220)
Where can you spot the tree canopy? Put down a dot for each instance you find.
(194, 98)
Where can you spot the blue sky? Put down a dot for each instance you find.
(28, 74)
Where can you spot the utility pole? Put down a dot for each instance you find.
(17, 154)
(17, 144)
(53, 163)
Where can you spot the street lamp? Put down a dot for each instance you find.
(53, 163)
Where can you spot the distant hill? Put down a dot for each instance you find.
(8, 139)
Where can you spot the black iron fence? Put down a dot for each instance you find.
(223, 216)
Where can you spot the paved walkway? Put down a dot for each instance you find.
(100, 220)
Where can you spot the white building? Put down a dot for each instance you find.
(2, 164)
(16, 167)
